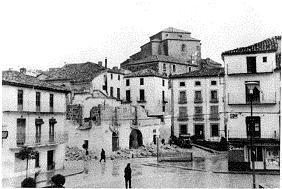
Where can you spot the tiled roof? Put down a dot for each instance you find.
(11, 77)
(145, 73)
(157, 58)
(202, 73)
(267, 45)
(76, 72)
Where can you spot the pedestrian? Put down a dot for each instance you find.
(127, 176)
(58, 181)
(28, 183)
(103, 155)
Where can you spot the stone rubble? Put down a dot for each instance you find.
(75, 153)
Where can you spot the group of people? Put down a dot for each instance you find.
(57, 181)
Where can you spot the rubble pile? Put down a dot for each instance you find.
(144, 151)
(75, 154)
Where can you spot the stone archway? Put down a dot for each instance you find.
(135, 139)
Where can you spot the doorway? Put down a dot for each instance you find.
(135, 139)
(199, 131)
(50, 160)
(115, 145)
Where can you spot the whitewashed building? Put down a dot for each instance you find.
(33, 114)
(257, 64)
(198, 104)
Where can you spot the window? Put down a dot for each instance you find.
(111, 76)
(182, 97)
(213, 82)
(214, 130)
(111, 91)
(118, 77)
(198, 97)
(163, 107)
(166, 35)
(38, 133)
(20, 100)
(253, 122)
(51, 102)
(264, 59)
(189, 69)
(214, 113)
(183, 112)
(164, 67)
(37, 160)
(179, 35)
(163, 96)
(173, 68)
(51, 132)
(141, 81)
(118, 93)
(197, 83)
(183, 47)
(198, 113)
(127, 82)
(163, 82)
(183, 129)
(127, 94)
(258, 154)
(251, 64)
(182, 84)
(214, 96)
(255, 97)
(142, 95)
(21, 131)
(38, 101)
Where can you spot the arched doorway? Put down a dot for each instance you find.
(115, 145)
(135, 139)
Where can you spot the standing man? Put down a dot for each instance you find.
(103, 155)
(127, 176)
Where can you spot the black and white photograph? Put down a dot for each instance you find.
(140, 93)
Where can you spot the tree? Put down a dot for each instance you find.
(27, 153)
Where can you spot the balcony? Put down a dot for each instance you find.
(214, 100)
(214, 117)
(266, 98)
(198, 117)
(182, 101)
(41, 140)
(141, 101)
(198, 100)
(234, 134)
(183, 117)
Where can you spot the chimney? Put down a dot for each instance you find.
(106, 62)
(23, 70)
(100, 63)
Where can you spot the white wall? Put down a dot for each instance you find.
(238, 63)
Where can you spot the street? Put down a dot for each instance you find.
(146, 173)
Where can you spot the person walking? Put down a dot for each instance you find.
(103, 155)
(127, 176)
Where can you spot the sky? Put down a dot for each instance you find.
(49, 33)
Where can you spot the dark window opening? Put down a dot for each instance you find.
(182, 84)
(183, 129)
(37, 160)
(163, 82)
(264, 59)
(141, 81)
(127, 94)
(118, 77)
(111, 91)
(183, 47)
(251, 64)
(51, 102)
(173, 67)
(255, 97)
(142, 95)
(111, 76)
(20, 100)
(197, 83)
(38, 101)
(127, 82)
(118, 93)
(213, 82)
(253, 126)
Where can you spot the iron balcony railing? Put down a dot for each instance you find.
(182, 100)
(214, 116)
(198, 100)
(242, 133)
(35, 140)
(183, 117)
(243, 99)
(198, 117)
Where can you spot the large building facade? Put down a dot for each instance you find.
(257, 65)
(34, 116)
(198, 104)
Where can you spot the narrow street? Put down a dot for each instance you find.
(146, 173)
